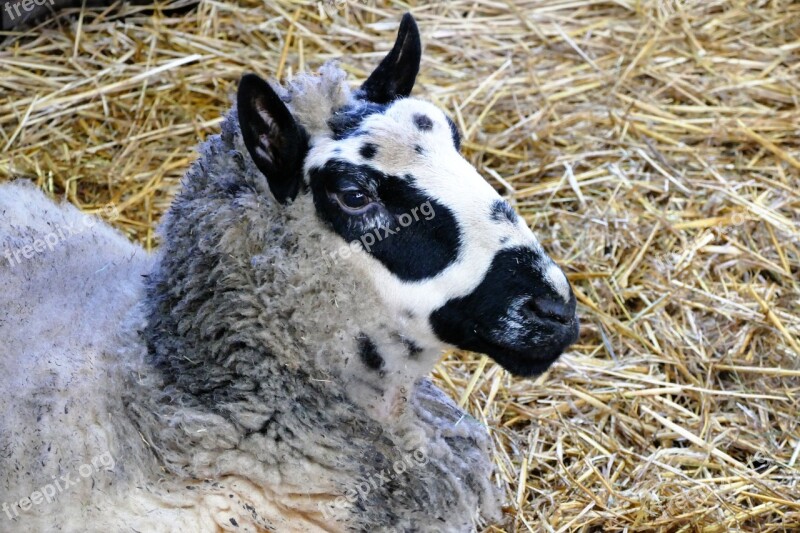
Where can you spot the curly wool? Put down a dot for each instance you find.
(314, 99)
(226, 384)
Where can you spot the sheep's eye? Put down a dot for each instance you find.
(353, 201)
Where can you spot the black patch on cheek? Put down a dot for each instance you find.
(368, 353)
(423, 122)
(502, 211)
(419, 149)
(412, 235)
(368, 150)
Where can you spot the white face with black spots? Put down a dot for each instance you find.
(450, 258)
(453, 263)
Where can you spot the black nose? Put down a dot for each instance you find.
(549, 309)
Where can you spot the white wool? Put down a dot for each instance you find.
(84, 391)
(314, 98)
(230, 396)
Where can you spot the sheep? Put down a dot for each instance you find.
(266, 369)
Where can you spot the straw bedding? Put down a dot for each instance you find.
(653, 146)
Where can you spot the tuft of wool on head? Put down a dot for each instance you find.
(314, 98)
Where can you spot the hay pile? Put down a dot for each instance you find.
(654, 146)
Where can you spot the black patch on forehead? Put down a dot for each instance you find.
(412, 235)
(368, 150)
(454, 133)
(368, 353)
(423, 122)
(502, 211)
(345, 121)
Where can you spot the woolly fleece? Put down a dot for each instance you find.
(225, 384)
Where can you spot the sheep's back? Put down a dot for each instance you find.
(62, 302)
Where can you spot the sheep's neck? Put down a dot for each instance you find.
(245, 288)
(253, 359)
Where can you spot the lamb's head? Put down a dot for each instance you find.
(451, 261)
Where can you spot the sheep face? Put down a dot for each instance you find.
(451, 260)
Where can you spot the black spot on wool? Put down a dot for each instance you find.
(454, 133)
(368, 150)
(234, 187)
(368, 353)
(346, 121)
(412, 252)
(502, 211)
(413, 349)
(423, 122)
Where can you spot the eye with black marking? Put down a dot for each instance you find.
(353, 201)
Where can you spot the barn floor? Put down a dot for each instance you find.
(654, 146)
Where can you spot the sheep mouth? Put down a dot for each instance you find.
(526, 350)
(515, 315)
(528, 359)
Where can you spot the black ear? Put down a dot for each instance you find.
(395, 76)
(276, 142)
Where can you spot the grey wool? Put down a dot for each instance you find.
(221, 376)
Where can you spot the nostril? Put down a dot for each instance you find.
(551, 310)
